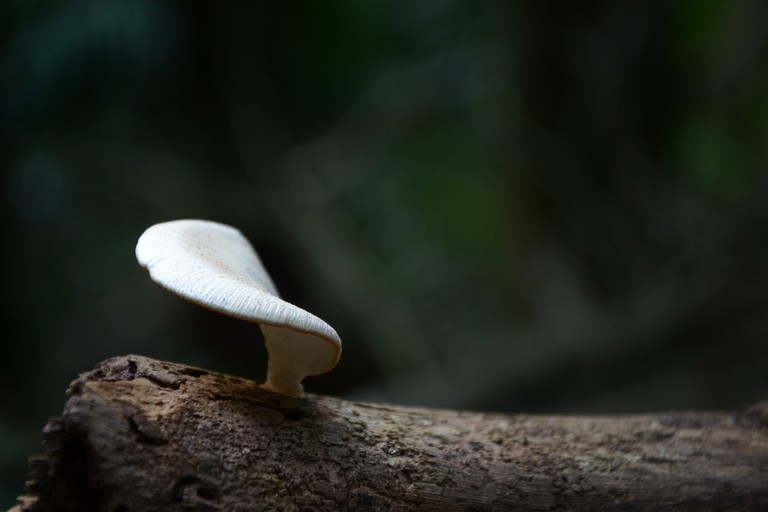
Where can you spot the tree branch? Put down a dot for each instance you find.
(139, 434)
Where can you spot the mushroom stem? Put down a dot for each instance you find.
(283, 380)
(294, 355)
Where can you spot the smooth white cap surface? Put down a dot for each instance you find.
(215, 266)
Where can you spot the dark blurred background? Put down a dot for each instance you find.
(502, 206)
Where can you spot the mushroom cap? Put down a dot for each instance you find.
(213, 265)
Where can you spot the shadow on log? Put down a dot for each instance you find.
(138, 434)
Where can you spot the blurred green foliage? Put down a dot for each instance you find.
(498, 205)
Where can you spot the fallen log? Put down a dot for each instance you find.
(138, 434)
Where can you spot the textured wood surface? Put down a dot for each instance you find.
(138, 434)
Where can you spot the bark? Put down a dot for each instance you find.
(139, 434)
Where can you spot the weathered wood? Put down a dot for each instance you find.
(139, 434)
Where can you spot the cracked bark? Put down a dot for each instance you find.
(140, 434)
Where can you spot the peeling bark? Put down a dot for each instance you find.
(138, 434)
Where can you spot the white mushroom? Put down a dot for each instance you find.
(215, 266)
